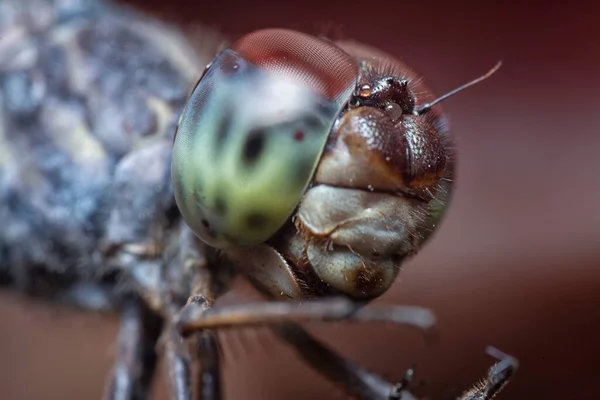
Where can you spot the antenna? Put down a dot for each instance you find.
(427, 106)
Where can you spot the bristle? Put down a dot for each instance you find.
(476, 392)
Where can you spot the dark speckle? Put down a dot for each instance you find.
(223, 130)
(313, 122)
(205, 224)
(254, 146)
(256, 220)
(220, 205)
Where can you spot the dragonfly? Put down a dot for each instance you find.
(310, 168)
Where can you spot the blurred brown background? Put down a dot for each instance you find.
(516, 263)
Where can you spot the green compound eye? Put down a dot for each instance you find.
(252, 133)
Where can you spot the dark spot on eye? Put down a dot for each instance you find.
(220, 205)
(205, 224)
(223, 130)
(254, 146)
(313, 122)
(256, 221)
(325, 109)
(299, 136)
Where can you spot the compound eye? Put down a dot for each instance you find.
(253, 131)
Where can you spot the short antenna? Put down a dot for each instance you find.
(427, 106)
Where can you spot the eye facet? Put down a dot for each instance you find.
(253, 131)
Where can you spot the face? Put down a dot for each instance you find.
(309, 164)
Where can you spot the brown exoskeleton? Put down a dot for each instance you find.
(311, 168)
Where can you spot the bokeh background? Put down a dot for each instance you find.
(516, 264)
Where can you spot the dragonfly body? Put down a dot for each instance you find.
(90, 99)
(91, 96)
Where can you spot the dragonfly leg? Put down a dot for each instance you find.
(283, 317)
(362, 384)
(355, 380)
(358, 382)
(194, 318)
(178, 365)
(198, 353)
(133, 372)
(400, 389)
(202, 348)
(209, 357)
(497, 377)
(182, 355)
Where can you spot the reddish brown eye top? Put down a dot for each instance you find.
(325, 68)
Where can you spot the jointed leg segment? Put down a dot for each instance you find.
(497, 377)
(133, 372)
(354, 380)
(190, 341)
(195, 318)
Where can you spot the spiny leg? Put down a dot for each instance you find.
(355, 380)
(365, 385)
(198, 316)
(133, 372)
(399, 391)
(497, 378)
(194, 318)
(178, 365)
(180, 357)
(210, 373)
(175, 350)
(208, 284)
(202, 347)
(283, 316)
